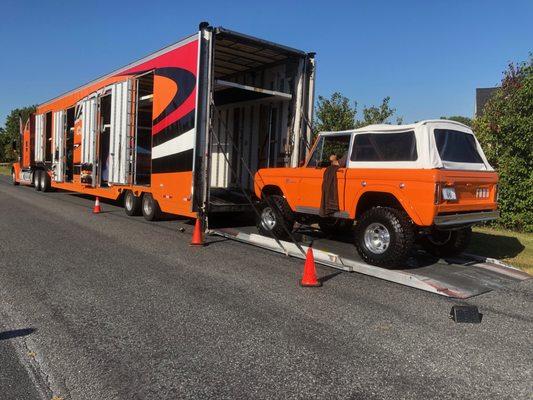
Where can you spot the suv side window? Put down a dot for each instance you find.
(385, 147)
(327, 146)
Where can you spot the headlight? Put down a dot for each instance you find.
(448, 193)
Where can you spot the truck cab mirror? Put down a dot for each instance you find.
(14, 145)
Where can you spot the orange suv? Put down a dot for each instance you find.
(427, 182)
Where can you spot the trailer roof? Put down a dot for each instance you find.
(264, 51)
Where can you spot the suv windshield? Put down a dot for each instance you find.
(457, 146)
(326, 147)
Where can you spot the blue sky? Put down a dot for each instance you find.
(429, 56)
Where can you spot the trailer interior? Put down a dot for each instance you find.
(255, 98)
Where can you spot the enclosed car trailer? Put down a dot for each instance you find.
(181, 130)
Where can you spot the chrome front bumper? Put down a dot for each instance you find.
(465, 219)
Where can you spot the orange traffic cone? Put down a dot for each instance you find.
(96, 208)
(309, 278)
(197, 237)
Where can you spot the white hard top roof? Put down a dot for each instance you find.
(398, 128)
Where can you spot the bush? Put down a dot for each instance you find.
(506, 133)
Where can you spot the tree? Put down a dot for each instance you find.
(337, 114)
(459, 118)
(506, 133)
(10, 132)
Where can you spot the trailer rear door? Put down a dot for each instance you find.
(121, 133)
(59, 146)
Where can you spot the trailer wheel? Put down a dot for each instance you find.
(150, 208)
(44, 181)
(14, 177)
(446, 243)
(275, 217)
(132, 204)
(37, 180)
(384, 237)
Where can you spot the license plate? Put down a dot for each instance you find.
(449, 194)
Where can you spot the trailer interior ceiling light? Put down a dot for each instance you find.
(465, 314)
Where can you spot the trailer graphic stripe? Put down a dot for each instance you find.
(179, 144)
(180, 162)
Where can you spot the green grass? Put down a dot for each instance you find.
(5, 169)
(513, 248)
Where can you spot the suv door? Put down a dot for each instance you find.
(308, 193)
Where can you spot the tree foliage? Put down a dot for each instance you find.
(10, 132)
(506, 133)
(337, 113)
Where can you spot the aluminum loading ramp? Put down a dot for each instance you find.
(460, 278)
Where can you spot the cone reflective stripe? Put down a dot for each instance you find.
(309, 278)
(97, 209)
(197, 236)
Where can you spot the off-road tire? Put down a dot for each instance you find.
(132, 204)
(457, 242)
(14, 178)
(44, 180)
(281, 213)
(150, 208)
(37, 180)
(401, 234)
(335, 226)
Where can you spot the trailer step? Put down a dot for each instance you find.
(460, 278)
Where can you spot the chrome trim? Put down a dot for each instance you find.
(465, 219)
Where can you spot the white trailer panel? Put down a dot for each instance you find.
(120, 135)
(39, 138)
(59, 146)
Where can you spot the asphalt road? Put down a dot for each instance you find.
(114, 307)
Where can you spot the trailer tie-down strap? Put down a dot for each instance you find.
(248, 170)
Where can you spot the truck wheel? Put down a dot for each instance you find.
(447, 243)
(150, 208)
(37, 180)
(14, 178)
(275, 217)
(132, 204)
(44, 181)
(335, 226)
(384, 237)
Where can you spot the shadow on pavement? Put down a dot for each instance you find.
(16, 333)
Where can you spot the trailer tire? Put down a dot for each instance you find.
(384, 237)
(132, 204)
(14, 178)
(275, 217)
(37, 180)
(150, 208)
(44, 180)
(447, 243)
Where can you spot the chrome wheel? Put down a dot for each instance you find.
(147, 207)
(377, 238)
(129, 202)
(268, 218)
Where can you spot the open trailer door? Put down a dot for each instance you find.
(201, 160)
(58, 155)
(88, 144)
(120, 138)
